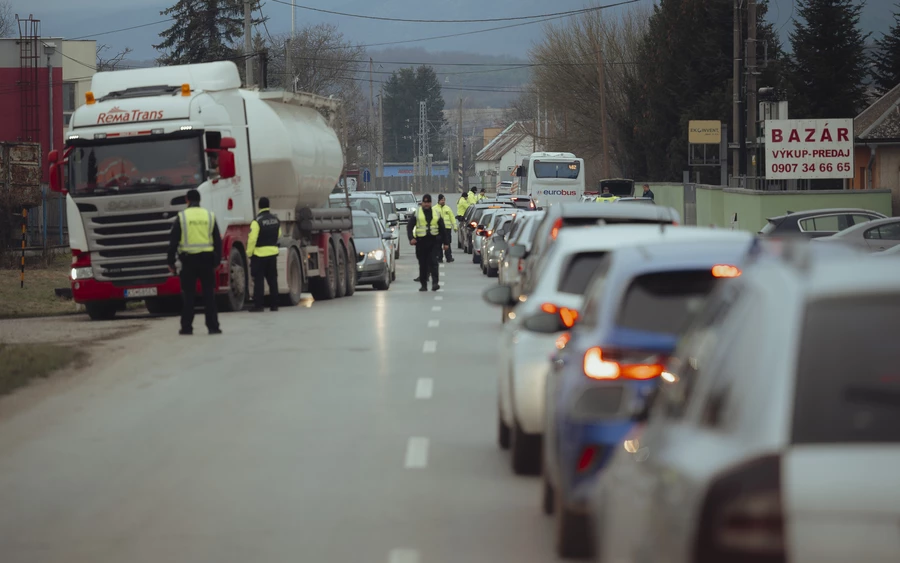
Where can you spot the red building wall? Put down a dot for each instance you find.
(11, 109)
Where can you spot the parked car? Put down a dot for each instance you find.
(524, 202)
(504, 188)
(617, 186)
(495, 243)
(486, 228)
(375, 263)
(644, 200)
(817, 223)
(406, 204)
(776, 436)
(472, 219)
(511, 267)
(641, 300)
(871, 236)
(378, 203)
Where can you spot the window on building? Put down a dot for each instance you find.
(68, 96)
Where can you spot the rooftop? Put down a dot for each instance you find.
(881, 120)
(506, 141)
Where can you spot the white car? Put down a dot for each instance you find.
(406, 204)
(775, 435)
(523, 358)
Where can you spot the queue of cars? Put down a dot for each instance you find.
(693, 394)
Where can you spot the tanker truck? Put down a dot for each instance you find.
(145, 137)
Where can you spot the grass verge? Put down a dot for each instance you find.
(23, 362)
(38, 298)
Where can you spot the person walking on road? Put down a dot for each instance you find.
(449, 221)
(196, 240)
(648, 193)
(262, 247)
(426, 231)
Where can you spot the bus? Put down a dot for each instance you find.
(552, 177)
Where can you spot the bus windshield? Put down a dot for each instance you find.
(120, 167)
(568, 170)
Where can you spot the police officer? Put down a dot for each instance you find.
(195, 238)
(606, 196)
(449, 221)
(473, 197)
(426, 231)
(483, 195)
(262, 247)
(461, 207)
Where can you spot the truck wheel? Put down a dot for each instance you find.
(294, 279)
(341, 270)
(351, 270)
(101, 311)
(163, 305)
(237, 282)
(325, 287)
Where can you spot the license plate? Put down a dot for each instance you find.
(141, 292)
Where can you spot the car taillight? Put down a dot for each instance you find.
(742, 517)
(521, 265)
(568, 316)
(587, 458)
(473, 224)
(488, 234)
(557, 225)
(609, 366)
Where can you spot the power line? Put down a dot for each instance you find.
(122, 29)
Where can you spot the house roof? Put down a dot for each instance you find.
(505, 141)
(881, 120)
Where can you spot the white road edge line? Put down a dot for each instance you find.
(435, 309)
(403, 556)
(434, 323)
(424, 388)
(416, 453)
(429, 347)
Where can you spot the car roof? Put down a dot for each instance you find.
(674, 255)
(829, 211)
(609, 237)
(592, 210)
(850, 231)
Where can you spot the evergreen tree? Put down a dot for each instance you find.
(886, 61)
(829, 64)
(203, 31)
(402, 93)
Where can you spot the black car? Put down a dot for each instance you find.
(374, 251)
(817, 222)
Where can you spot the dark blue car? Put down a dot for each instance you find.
(640, 301)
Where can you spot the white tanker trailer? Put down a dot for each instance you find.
(147, 136)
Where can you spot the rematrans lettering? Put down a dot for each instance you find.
(116, 115)
(826, 135)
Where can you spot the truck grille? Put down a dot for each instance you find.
(130, 248)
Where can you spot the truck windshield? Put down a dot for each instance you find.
(119, 167)
(568, 170)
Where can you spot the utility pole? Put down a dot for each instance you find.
(750, 50)
(736, 97)
(288, 65)
(248, 60)
(381, 133)
(601, 79)
(371, 115)
(459, 147)
(538, 120)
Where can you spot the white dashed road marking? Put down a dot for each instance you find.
(438, 298)
(424, 388)
(430, 347)
(434, 323)
(435, 309)
(404, 556)
(416, 453)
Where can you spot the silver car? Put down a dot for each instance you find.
(872, 236)
(494, 241)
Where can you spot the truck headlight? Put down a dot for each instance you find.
(82, 273)
(377, 255)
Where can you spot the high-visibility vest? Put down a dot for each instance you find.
(462, 205)
(473, 199)
(423, 228)
(447, 214)
(197, 226)
(607, 198)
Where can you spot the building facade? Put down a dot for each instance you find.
(877, 147)
(498, 160)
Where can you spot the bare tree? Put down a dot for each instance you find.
(7, 21)
(105, 63)
(568, 56)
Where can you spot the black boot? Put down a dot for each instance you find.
(423, 288)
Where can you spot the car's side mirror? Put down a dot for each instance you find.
(544, 323)
(499, 295)
(393, 219)
(517, 251)
(56, 173)
(387, 235)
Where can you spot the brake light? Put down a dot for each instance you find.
(725, 271)
(521, 265)
(557, 225)
(587, 458)
(596, 367)
(563, 340)
(489, 233)
(742, 515)
(473, 224)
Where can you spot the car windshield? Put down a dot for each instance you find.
(664, 302)
(568, 170)
(121, 167)
(364, 227)
(404, 198)
(370, 204)
(848, 372)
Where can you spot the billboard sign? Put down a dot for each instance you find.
(809, 149)
(704, 132)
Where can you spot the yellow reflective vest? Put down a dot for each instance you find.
(607, 199)
(447, 214)
(197, 226)
(462, 205)
(473, 199)
(423, 228)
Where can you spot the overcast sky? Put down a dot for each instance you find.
(78, 18)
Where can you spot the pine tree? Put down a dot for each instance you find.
(886, 60)
(829, 64)
(402, 93)
(203, 31)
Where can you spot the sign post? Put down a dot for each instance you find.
(704, 138)
(809, 149)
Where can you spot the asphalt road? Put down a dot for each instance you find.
(357, 430)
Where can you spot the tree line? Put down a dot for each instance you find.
(672, 63)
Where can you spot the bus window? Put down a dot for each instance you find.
(563, 170)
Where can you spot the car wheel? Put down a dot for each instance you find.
(547, 496)
(526, 451)
(493, 272)
(573, 535)
(385, 284)
(503, 433)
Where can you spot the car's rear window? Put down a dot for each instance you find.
(664, 302)
(579, 272)
(848, 372)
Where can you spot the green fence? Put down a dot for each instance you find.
(718, 206)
